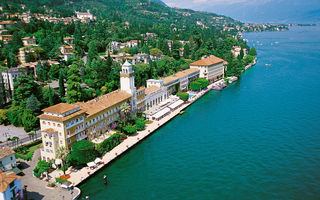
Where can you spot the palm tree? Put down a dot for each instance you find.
(62, 153)
(125, 109)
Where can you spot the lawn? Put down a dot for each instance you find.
(25, 152)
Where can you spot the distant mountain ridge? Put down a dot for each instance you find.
(160, 2)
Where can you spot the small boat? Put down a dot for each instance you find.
(267, 65)
(181, 112)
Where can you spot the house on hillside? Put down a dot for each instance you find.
(10, 186)
(210, 68)
(7, 159)
(68, 40)
(29, 41)
(9, 76)
(85, 16)
(5, 38)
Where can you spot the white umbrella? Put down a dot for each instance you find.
(58, 161)
(91, 164)
(97, 160)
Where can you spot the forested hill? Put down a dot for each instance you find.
(142, 12)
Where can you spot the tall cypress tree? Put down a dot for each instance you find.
(3, 98)
(61, 84)
(51, 93)
(9, 87)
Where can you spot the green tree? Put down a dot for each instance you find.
(49, 96)
(24, 87)
(3, 116)
(92, 50)
(43, 166)
(176, 45)
(33, 104)
(195, 86)
(54, 72)
(253, 52)
(183, 96)
(83, 152)
(241, 54)
(3, 96)
(129, 129)
(29, 121)
(74, 90)
(186, 51)
(155, 52)
(204, 82)
(61, 84)
(15, 115)
(63, 153)
(140, 124)
(125, 109)
(42, 74)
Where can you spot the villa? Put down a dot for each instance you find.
(210, 68)
(66, 52)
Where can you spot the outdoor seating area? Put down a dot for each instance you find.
(163, 108)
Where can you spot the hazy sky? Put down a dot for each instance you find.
(278, 11)
(197, 4)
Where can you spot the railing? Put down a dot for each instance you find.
(24, 140)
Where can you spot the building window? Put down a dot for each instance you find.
(43, 122)
(54, 124)
(59, 125)
(49, 123)
(60, 141)
(11, 158)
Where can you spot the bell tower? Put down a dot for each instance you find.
(127, 82)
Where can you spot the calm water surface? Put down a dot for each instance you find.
(257, 139)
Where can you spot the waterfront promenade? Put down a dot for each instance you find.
(76, 177)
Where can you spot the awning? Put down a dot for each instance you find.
(161, 113)
(91, 164)
(66, 185)
(176, 104)
(16, 170)
(97, 160)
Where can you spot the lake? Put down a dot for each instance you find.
(257, 139)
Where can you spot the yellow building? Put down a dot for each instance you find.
(64, 124)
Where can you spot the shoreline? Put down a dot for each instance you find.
(80, 176)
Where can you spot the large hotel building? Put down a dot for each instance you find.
(64, 124)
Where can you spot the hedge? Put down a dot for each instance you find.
(28, 153)
(110, 143)
(183, 96)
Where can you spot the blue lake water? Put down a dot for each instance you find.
(257, 139)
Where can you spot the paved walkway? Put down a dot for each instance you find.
(11, 131)
(37, 188)
(80, 175)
